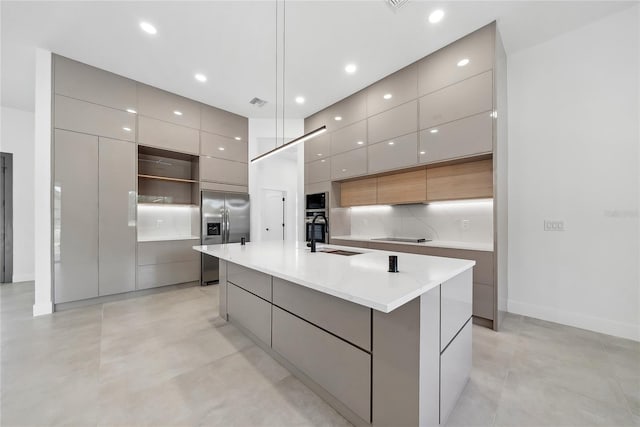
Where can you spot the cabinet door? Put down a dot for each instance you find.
(360, 192)
(456, 305)
(393, 90)
(407, 187)
(117, 231)
(471, 180)
(351, 163)
(466, 137)
(311, 123)
(85, 117)
(350, 110)
(224, 171)
(250, 312)
(464, 99)
(398, 121)
(317, 148)
(397, 153)
(250, 280)
(156, 133)
(455, 369)
(75, 216)
(349, 138)
(167, 251)
(221, 122)
(483, 301)
(173, 273)
(317, 171)
(441, 68)
(81, 81)
(223, 147)
(158, 104)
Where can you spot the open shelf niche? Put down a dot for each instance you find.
(167, 177)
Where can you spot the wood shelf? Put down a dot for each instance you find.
(165, 178)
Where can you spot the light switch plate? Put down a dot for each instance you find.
(553, 225)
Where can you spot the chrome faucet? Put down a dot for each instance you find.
(313, 229)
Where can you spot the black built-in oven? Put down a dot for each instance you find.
(318, 230)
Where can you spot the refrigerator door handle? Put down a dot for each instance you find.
(228, 226)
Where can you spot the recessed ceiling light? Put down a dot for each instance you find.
(337, 118)
(391, 143)
(221, 148)
(148, 28)
(200, 77)
(423, 152)
(126, 129)
(177, 113)
(463, 62)
(300, 99)
(436, 16)
(434, 131)
(387, 96)
(350, 68)
(360, 142)
(237, 138)
(131, 110)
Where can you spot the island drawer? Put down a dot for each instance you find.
(250, 312)
(343, 370)
(345, 319)
(455, 368)
(250, 280)
(456, 300)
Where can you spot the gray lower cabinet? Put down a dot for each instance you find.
(167, 262)
(250, 312)
(483, 298)
(397, 153)
(75, 214)
(338, 367)
(168, 136)
(250, 280)
(117, 227)
(223, 171)
(455, 304)
(455, 365)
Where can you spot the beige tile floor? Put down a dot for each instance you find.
(166, 359)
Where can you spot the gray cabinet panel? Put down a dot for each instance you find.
(75, 216)
(317, 171)
(223, 171)
(464, 99)
(347, 111)
(456, 299)
(482, 271)
(349, 138)
(462, 138)
(117, 230)
(158, 104)
(169, 136)
(351, 163)
(223, 147)
(223, 187)
(85, 117)
(394, 154)
(455, 369)
(81, 81)
(251, 280)
(340, 368)
(393, 90)
(167, 251)
(483, 298)
(153, 276)
(224, 123)
(317, 148)
(315, 121)
(250, 312)
(398, 121)
(342, 318)
(441, 68)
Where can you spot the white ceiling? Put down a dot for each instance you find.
(233, 43)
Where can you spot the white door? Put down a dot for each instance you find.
(272, 215)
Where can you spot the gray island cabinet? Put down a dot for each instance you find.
(384, 349)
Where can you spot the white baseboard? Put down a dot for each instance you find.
(42, 309)
(17, 278)
(605, 326)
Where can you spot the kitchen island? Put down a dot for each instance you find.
(384, 349)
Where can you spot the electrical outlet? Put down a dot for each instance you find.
(553, 225)
(465, 224)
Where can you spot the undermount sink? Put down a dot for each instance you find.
(339, 252)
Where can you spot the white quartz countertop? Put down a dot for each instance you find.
(448, 244)
(166, 238)
(362, 279)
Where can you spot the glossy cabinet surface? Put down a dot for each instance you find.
(456, 301)
(455, 367)
(406, 187)
(85, 117)
(351, 163)
(349, 138)
(470, 180)
(223, 171)
(463, 99)
(75, 204)
(361, 192)
(466, 137)
(396, 153)
(168, 136)
(395, 89)
(250, 312)
(117, 216)
(483, 300)
(317, 171)
(317, 148)
(223, 147)
(349, 110)
(221, 122)
(167, 251)
(398, 121)
(251, 280)
(158, 104)
(156, 275)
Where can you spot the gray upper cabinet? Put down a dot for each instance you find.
(317, 171)
(117, 216)
(398, 121)
(223, 171)
(156, 103)
(462, 138)
(223, 147)
(220, 122)
(347, 111)
(349, 138)
(75, 225)
(349, 164)
(85, 117)
(394, 90)
(156, 133)
(440, 69)
(397, 153)
(315, 121)
(464, 99)
(317, 148)
(80, 81)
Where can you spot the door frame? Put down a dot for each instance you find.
(6, 214)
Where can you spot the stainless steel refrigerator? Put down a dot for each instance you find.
(224, 219)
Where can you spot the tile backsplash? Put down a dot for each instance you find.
(462, 221)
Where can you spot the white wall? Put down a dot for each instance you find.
(18, 138)
(573, 156)
(284, 172)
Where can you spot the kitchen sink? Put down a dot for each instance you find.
(339, 252)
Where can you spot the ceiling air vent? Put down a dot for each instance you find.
(258, 102)
(397, 4)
